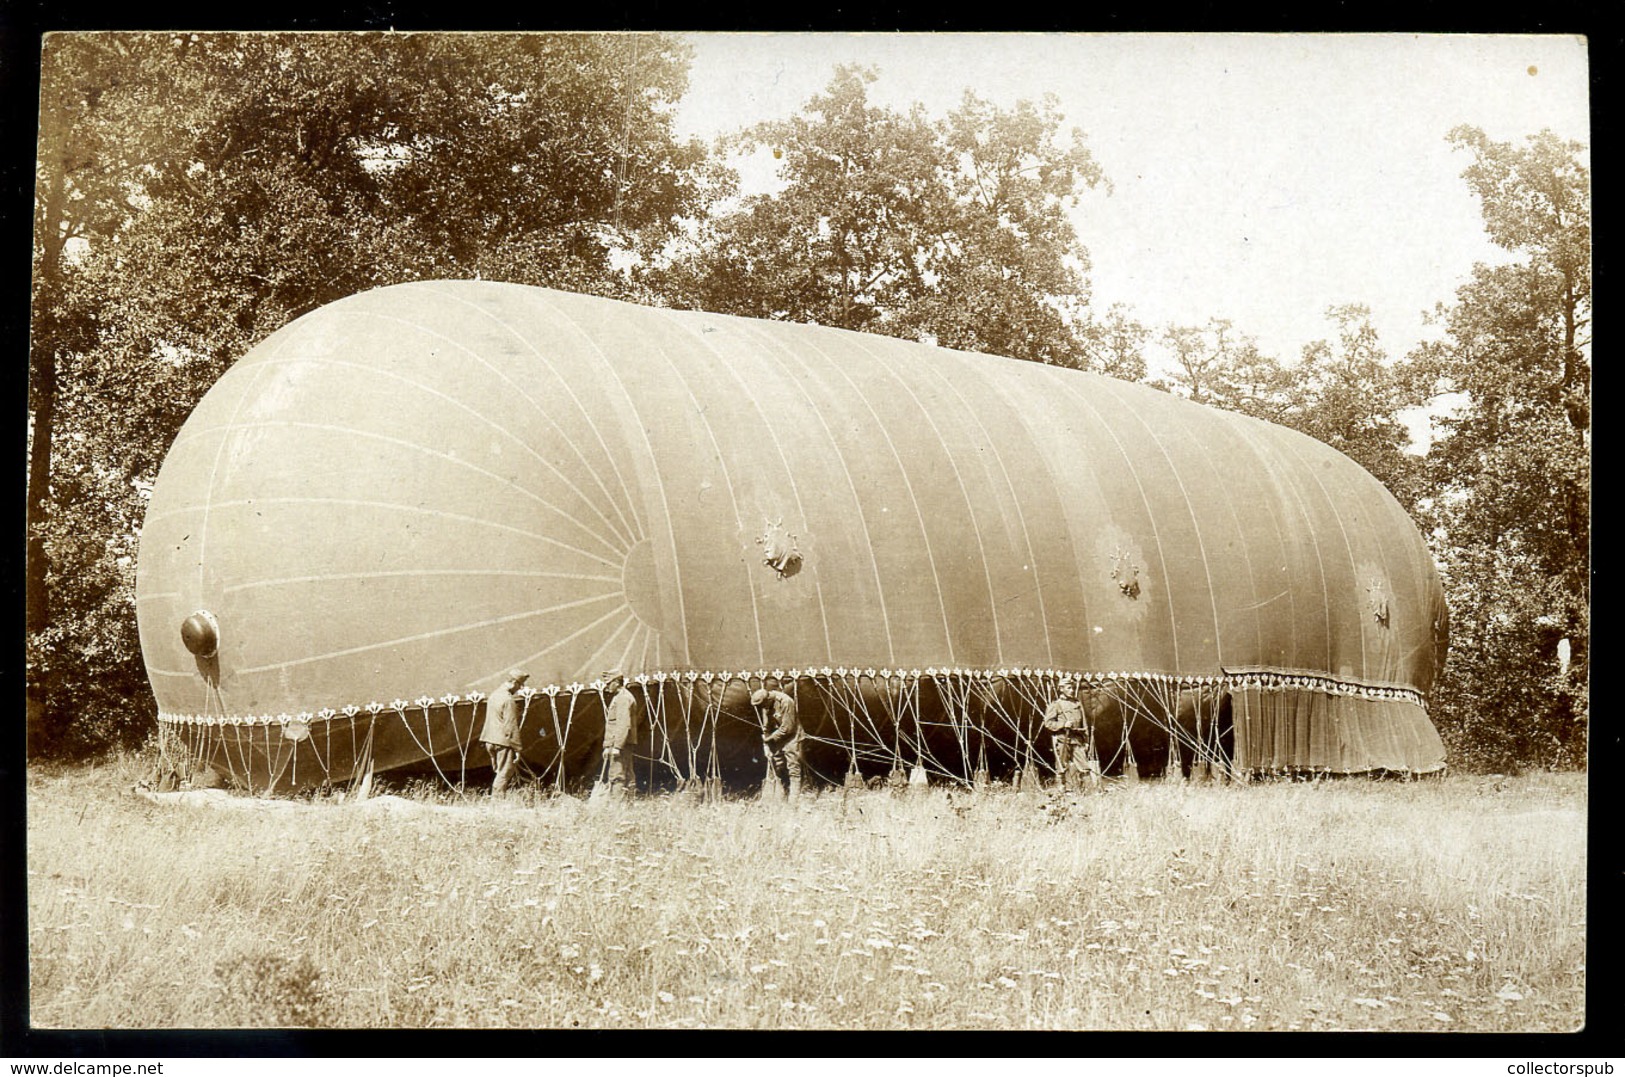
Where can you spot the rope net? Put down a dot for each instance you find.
(699, 736)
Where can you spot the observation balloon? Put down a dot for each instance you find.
(393, 500)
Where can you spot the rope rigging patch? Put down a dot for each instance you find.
(864, 716)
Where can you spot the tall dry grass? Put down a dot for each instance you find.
(1456, 904)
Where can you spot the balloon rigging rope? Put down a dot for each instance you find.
(242, 757)
(974, 703)
(691, 748)
(465, 744)
(657, 713)
(716, 725)
(852, 698)
(400, 708)
(956, 702)
(327, 731)
(847, 744)
(1024, 744)
(706, 720)
(558, 741)
(569, 718)
(270, 758)
(922, 750)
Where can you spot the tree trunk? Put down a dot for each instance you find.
(42, 377)
(37, 596)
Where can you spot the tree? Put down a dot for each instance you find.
(1344, 392)
(1259, 385)
(1115, 344)
(1010, 273)
(1350, 396)
(105, 124)
(841, 244)
(1512, 467)
(196, 192)
(1201, 353)
(954, 232)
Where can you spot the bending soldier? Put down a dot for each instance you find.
(1065, 720)
(500, 734)
(620, 730)
(781, 738)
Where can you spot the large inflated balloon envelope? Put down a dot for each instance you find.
(391, 502)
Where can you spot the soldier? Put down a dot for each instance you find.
(781, 737)
(621, 719)
(500, 734)
(1065, 720)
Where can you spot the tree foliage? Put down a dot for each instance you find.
(196, 192)
(955, 232)
(1344, 391)
(1350, 395)
(839, 244)
(1115, 344)
(1203, 356)
(1010, 271)
(1511, 474)
(106, 124)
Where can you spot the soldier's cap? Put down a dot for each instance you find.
(758, 697)
(518, 676)
(611, 675)
(1069, 682)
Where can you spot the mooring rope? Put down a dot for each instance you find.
(1002, 706)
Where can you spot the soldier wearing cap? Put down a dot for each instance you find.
(500, 734)
(1069, 729)
(621, 717)
(781, 737)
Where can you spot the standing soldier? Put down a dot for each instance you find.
(500, 734)
(781, 737)
(621, 719)
(1065, 720)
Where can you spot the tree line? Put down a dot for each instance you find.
(194, 192)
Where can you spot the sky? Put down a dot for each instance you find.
(1260, 178)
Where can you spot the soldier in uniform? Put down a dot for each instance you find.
(621, 718)
(500, 734)
(781, 737)
(1069, 730)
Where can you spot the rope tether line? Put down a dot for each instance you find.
(1002, 706)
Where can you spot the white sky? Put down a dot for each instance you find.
(1261, 178)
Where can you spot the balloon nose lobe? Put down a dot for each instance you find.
(201, 634)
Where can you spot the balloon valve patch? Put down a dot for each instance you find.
(779, 551)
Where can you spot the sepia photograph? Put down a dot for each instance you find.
(809, 531)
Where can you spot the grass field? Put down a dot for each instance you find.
(1450, 904)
